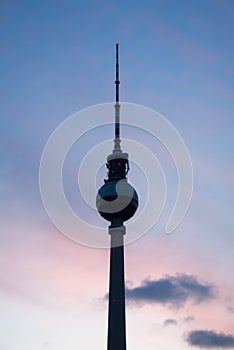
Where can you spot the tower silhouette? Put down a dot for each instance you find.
(117, 201)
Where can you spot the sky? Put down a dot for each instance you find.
(57, 58)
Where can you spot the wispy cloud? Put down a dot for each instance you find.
(171, 290)
(210, 339)
(230, 309)
(170, 322)
(189, 319)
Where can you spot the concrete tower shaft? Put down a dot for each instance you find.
(116, 314)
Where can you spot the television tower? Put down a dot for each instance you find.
(117, 201)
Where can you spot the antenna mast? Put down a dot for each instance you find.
(117, 140)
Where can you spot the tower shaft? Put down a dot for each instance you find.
(116, 315)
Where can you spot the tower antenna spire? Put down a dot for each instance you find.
(117, 140)
(117, 82)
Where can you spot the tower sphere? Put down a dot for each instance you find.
(117, 199)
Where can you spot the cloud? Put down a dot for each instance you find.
(171, 290)
(189, 319)
(170, 322)
(46, 344)
(230, 309)
(210, 339)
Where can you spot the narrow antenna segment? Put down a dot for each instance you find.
(117, 140)
(117, 82)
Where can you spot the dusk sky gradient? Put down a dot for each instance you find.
(176, 57)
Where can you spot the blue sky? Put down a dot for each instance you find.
(57, 57)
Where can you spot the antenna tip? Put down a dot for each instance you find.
(117, 44)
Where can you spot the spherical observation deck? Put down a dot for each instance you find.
(117, 199)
